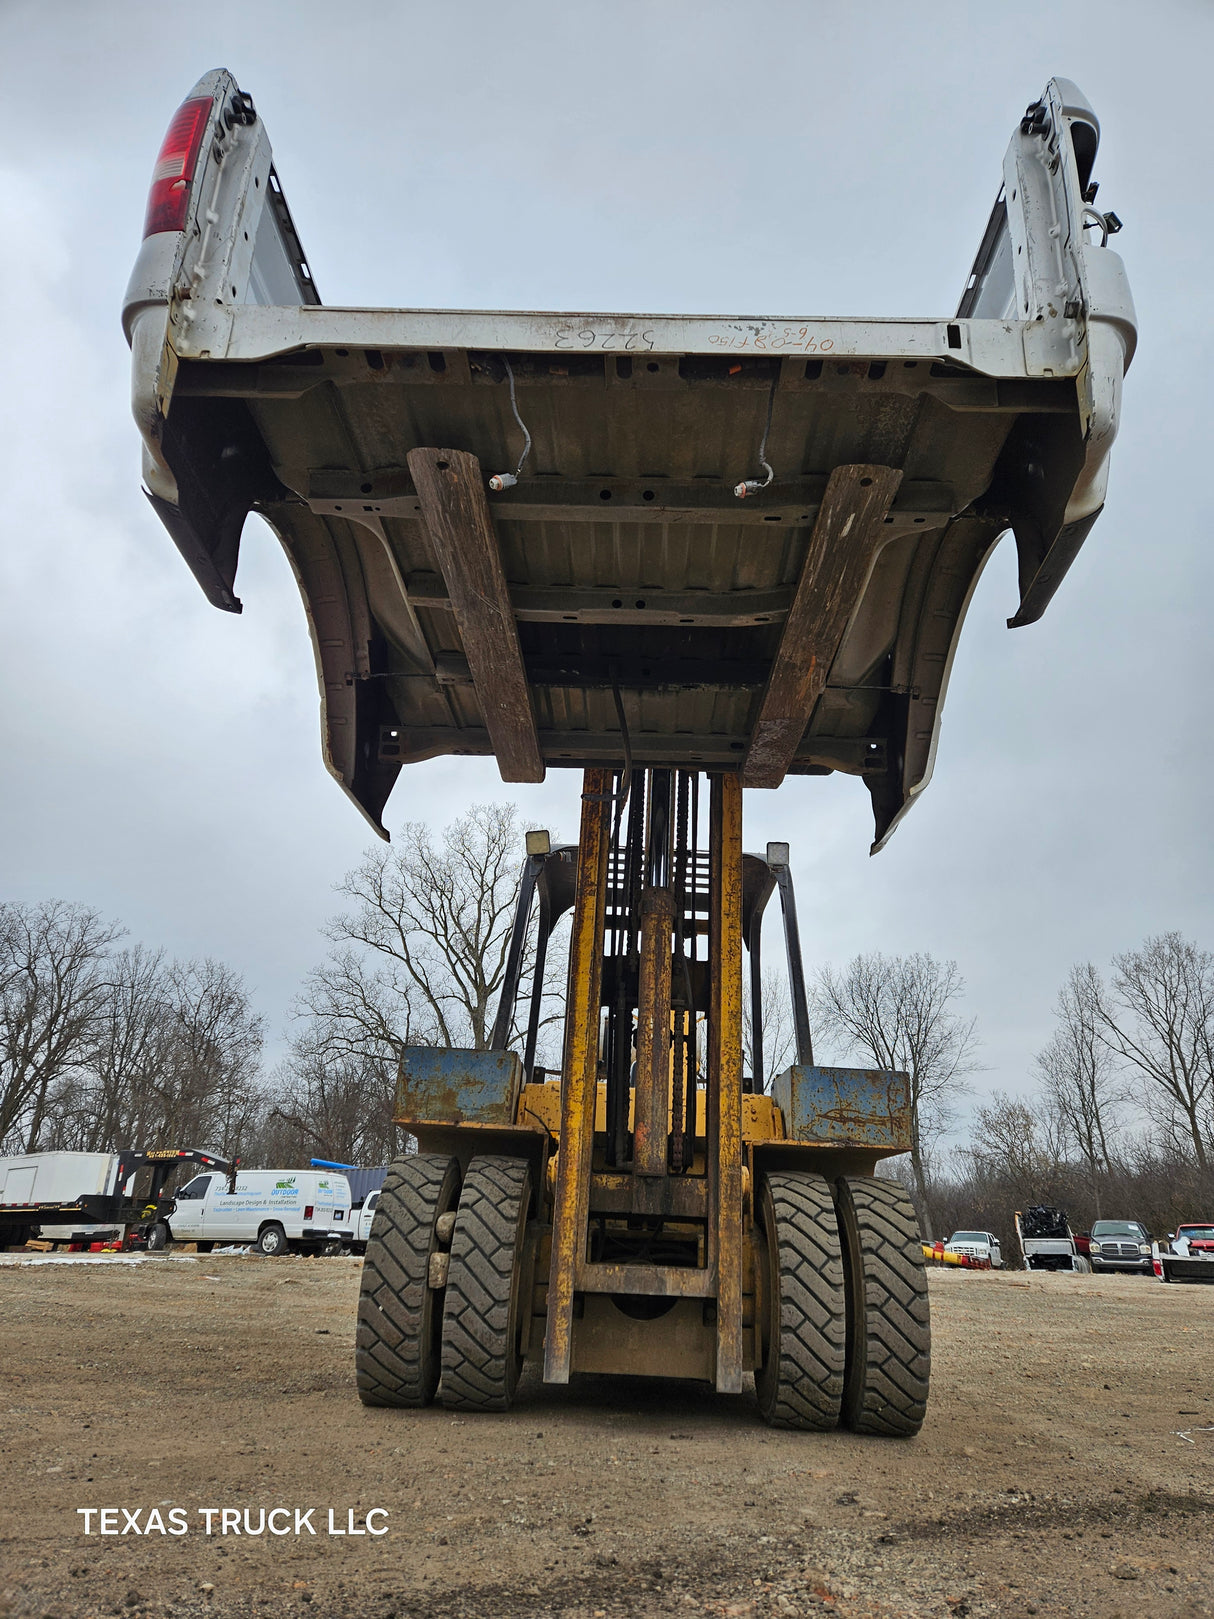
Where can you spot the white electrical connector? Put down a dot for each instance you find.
(751, 486)
(507, 480)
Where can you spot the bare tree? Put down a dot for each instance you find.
(52, 986)
(1079, 1076)
(779, 1033)
(207, 1083)
(365, 1010)
(1159, 1018)
(421, 956)
(113, 1099)
(336, 1104)
(1018, 1145)
(897, 1011)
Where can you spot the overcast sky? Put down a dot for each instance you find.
(161, 760)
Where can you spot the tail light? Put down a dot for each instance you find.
(175, 167)
(308, 1211)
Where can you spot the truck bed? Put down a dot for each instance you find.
(620, 602)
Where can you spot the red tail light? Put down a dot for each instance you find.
(308, 1212)
(175, 167)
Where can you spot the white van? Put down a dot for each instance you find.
(275, 1209)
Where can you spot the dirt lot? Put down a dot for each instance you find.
(1051, 1478)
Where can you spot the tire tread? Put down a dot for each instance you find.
(801, 1386)
(480, 1362)
(396, 1360)
(889, 1337)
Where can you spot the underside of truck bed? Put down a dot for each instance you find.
(621, 603)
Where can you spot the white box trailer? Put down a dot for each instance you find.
(275, 1209)
(60, 1195)
(56, 1178)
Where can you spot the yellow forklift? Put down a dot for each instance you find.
(682, 554)
(654, 1210)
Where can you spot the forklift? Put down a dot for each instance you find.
(655, 1211)
(683, 555)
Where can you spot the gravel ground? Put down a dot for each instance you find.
(1066, 1467)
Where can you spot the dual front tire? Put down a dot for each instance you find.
(441, 1309)
(847, 1336)
(847, 1330)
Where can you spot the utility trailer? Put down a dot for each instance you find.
(685, 555)
(61, 1192)
(1047, 1241)
(1187, 1256)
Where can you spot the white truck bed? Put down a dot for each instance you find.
(619, 600)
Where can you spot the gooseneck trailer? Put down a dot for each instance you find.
(685, 555)
(46, 1192)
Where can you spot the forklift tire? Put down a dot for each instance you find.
(889, 1338)
(271, 1241)
(800, 1383)
(481, 1312)
(399, 1314)
(158, 1237)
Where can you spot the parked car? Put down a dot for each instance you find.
(274, 1209)
(980, 1245)
(1121, 1245)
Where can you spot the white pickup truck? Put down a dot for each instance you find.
(363, 1220)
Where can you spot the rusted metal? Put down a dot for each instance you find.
(651, 1121)
(648, 1281)
(725, 1073)
(847, 533)
(579, 1087)
(845, 1107)
(454, 1086)
(675, 1344)
(451, 494)
(683, 1196)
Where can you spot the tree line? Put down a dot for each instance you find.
(1119, 1120)
(104, 1044)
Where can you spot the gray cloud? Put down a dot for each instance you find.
(161, 760)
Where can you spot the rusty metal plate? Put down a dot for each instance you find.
(453, 1086)
(866, 1107)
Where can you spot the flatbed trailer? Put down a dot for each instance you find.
(655, 548)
